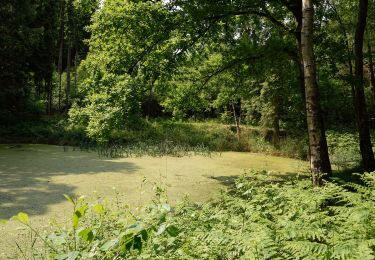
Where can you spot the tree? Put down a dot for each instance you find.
(319, 159)
(372, 70)
(187, 24)
(27, 44)
(120, 49)
(359, 95)
(61, 47)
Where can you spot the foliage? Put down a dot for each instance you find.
(115, 78)
(161, 137)
(344, 150)
(155, 138)
(112, 106)
(262, 216)
(26, 40)
(47, 130)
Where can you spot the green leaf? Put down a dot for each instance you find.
(98, 208)
(61, 257)
(161, 230)
(86, 235)
(22, 217)
(57, 239)
(167, 207)
(3, 221)
(108, 245)
(173, 231)
(68, 198)
(144, 235)
(75, 221)
(78, 214)
(73, 255)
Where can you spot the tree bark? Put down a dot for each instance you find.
(61, 48)
(349, 54)
(372, 72)
(301, 77)
(67, 89)
(359, 95)
(75, 70)
(319, 159)
(48, 83)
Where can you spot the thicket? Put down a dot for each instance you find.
(262, 216)
(154, 136)
(162, 136)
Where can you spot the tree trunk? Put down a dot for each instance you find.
(276, 128)
(237, 122)
(48, 83)
(359, 95)
(301, 76)
(372, 72)
(319, 159)
(39, 85)
(75, 70)
(296, 9)
(349, 51)
(61, 48)
(67, 89)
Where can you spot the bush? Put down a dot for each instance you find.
(344, 150)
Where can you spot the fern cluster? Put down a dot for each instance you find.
(263, 216)
(266, 217)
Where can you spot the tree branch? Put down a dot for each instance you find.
(228, 66)
(265, 14)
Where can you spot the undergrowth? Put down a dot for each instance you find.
(141, 149)
(159, 137)
(168, 137)
(344, 150)
(263, 216)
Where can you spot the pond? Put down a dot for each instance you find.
(33, 179)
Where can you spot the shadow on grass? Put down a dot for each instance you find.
(26, 173)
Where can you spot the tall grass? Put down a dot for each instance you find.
(157, 137)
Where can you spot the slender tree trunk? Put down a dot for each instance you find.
(75, 70)
(237, 122)
(297, 12)
(350, 63)
(301, 76)
(68, 62)
(61, 48)
(319, 159)
(372, 72)
(39, 85)
(48, 83)
(360, 102)
(349, 51)
(60, 89)
(352, 87)
(149, 99)
(276, 128)
(46, 90)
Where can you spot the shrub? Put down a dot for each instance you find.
(344, 150)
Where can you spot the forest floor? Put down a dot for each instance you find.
(33, 179)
